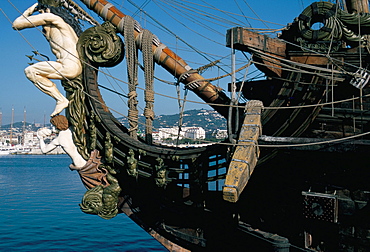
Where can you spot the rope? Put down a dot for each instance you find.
(79, 12)
(224, 12)
(299, 64)
(147, 39)
(131, 59)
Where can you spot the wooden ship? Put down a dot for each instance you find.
(292, 174)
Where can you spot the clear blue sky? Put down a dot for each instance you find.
(17, 92)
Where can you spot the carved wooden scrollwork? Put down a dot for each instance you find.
(77, 113)
(101, 45)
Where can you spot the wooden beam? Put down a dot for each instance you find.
(243, 39)
(246, 153)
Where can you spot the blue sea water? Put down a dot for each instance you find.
(39, 211)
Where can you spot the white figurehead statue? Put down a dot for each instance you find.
(64, 139)
(57, 28)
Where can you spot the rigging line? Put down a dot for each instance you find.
(360, 50)
(181, 115)
(297, 63)
(232, 13)
(271, 31)
(186, 43)
(332, 65)
(240, 9)
(318, 53)
(187, 26)
(158, 26)
(293, 69)
(290, 145)
(93, 13)
(116, 92)
(113, 91)
(121, 5)
(289, 68)
(292, 81)
(161, 28)
(208, 16)
(244, 78)
(193, 20)
(75, 8)
(228, 14)
(317, 143)
(332, 32)
(265, 29)
(260, 19)
(141, 8)
(228, 74)
(319, 104)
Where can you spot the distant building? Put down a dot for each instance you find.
(195, 133)
(220, 134)
(165, 133)
(186, 132)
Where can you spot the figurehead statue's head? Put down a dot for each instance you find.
(56, 7)
(60, 122)
(52, 3)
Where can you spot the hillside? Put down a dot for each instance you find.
(209, 120)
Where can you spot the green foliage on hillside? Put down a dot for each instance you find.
(209, 120)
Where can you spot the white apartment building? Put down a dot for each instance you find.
(165, 133)
(195, 133)
(186, 132)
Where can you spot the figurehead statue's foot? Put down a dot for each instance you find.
(62, 104)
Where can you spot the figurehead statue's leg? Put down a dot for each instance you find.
(39, 74)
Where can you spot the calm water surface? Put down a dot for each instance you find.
(39, 211)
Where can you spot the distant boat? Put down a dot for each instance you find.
(21, 150)
(5, 151)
